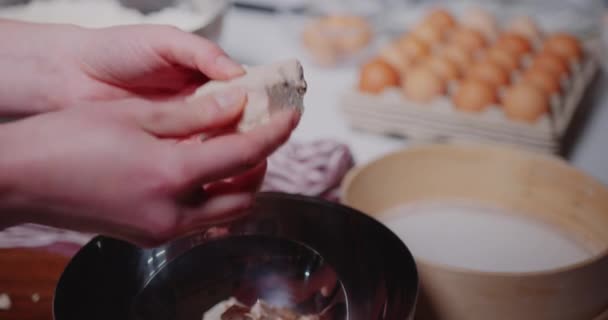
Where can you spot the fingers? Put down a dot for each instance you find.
(195, 116)
(195, 52)
(230, 155)
(213, 210)
(250, 181)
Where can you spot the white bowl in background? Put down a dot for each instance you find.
(202, 17)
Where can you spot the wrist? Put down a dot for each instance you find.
(32, 78)
(12, 201)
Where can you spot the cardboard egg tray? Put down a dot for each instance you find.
(391, 113)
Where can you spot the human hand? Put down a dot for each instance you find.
(126, 170)
(51, 66)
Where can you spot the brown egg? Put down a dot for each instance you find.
(564, 45)
(442, 67)
(333, 37)
(413, 47)
(506, 60)
(441, 18)
(552, 63)
(525, 26)
(460, 56)
(482, 21)
(352, 32)
(514, 43)
(393, 55)
(428, 33)
(321, 48)
(422, 85)
(377, 75)
(523, 102)
(468, 39)
(542, 80)
(489, 72)
(474, 96)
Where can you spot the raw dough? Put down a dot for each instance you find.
(5, 301)
(219, 309)
(269, 88)
(232, 309)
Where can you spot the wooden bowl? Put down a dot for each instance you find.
(541, 186)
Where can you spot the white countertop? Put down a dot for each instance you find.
(255, 38)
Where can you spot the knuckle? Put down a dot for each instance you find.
(172, 174)
(156, 117)
(181, 176)
(165, 177)
(160, 226)
(211, 51)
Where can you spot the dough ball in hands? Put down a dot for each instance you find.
(525, 103)
(377, 75)
(422, 85)
(270, 89)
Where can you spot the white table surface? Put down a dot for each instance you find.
(256, 38)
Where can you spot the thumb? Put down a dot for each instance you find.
(205, 113)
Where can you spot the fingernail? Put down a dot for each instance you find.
(228, 66)
(230, 98)
(229, 203)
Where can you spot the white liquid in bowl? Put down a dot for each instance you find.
(482, 238)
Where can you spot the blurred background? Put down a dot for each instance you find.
(336, 39)
(262, 31)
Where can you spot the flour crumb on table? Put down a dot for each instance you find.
(5, 301)
(232, 309)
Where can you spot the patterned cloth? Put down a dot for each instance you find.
(313, 169)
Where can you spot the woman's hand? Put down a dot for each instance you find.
(51, 66)
(127, 170)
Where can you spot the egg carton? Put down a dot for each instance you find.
(389, 113)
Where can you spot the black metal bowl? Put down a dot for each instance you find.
(293, 251)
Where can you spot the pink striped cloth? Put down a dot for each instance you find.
(313, 168)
